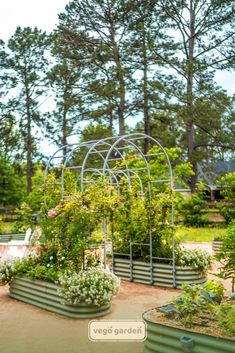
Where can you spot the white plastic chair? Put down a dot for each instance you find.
(26, 239)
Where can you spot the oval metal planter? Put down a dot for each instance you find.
(44, 295)
(216, 246)
(168, 339)
(162, 273)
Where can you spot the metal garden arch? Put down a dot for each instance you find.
(101, 159)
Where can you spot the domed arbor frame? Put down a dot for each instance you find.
(99, 159)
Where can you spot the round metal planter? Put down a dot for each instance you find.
(44, 295)
(216, 246)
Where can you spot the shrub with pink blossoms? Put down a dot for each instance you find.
(52, 213)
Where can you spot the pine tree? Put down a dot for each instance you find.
(99, 27)
(205, 31)
(26, 67)
(148, 43)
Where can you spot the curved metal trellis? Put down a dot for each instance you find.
(102, 159)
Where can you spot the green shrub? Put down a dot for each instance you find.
(24, 266)
(30, 268)
(227, 205)
(227, 255)
(193, 210)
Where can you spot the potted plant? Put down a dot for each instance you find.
(198, 320)
(217, 243)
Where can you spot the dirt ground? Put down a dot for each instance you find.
(27, 329)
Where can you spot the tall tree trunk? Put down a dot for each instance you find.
(120, 82)
(64, 132)
(190, 113)
(111, 122)
(121, 94)
(29, 145)
(145, 94)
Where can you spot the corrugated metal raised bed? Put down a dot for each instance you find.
(216, 246)
(44, 295)
(167, 339)
(6, 237)
(162, 273)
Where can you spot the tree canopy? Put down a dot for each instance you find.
(109, 62)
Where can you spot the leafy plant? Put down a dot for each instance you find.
(92, 286)
(44, 273)
(226, 319)
(216, 288)
(189, 305)
(69, 228)
(30, 268)
(199, 305)
(131, 222)
(24, 266)
(227, 255)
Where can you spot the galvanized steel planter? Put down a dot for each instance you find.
(162, 273)
(216, 246)
(6, 237)
(167, 339)
(44, 295)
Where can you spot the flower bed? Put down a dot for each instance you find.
(45, 295)
(84, 294)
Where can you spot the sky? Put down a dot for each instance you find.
(32, 13)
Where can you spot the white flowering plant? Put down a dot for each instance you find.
(196, 258)
(92, 286)
(7, 272)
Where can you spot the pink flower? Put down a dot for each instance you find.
(52, 213)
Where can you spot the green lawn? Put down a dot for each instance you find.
(182, 233)
(7, 227)
(198, 234)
